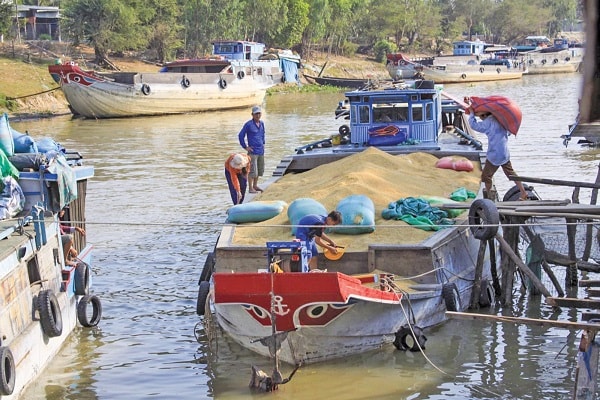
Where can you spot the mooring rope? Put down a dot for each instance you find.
(31, 95)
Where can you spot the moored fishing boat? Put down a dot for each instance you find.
(401, 67)
(396, 276)
(222, 81)
(556, 59)
(44, 295)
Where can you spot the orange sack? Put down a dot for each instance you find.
(506, 111)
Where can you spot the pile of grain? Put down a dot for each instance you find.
(382, 177)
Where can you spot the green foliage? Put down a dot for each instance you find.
(382, 48)
(45, 36)
(6, 13)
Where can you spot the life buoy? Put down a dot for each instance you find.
(344, 130)
(50, 317)
(484, 219)
(203, 289)
(82, 279)
(241, 74)
(185, 82)
(222, 83)
(82, 311)
(463, 76)
(146, 89)
(407, 339)
(451, 297)
(498, 70)
(555, 61)
(481, 70)
(8, 372)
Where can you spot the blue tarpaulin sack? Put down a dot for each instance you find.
(301, 207)
(358, 215)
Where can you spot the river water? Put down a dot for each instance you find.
(155, 207)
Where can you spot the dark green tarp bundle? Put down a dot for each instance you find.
(417, 212)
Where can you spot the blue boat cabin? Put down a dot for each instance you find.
(393, 116)
(238, 50)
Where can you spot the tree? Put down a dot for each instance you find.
(107, 25)
(164, 35)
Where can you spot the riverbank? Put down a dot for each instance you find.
(28, 91)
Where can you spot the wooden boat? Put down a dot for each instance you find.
(390, 283)
(214, 83)
(42, 298)
(401, 67)
(351, 83)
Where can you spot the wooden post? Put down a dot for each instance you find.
(478, 273)
(571, 277)
(508, 266)
(589, 228)
(587, 367)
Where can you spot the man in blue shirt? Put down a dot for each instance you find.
(497, 154)
(311, 230)
(253, 132)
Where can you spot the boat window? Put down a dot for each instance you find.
(427, 96)
(417, 112)
(429, 111)
(390, 112)
(363, 114)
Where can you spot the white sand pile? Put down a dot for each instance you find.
(382, 177)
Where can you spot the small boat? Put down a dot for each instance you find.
(557, 59)
(225, 80)
(394, 279)
(351, 83)
(43, 297)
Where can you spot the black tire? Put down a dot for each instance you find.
(406, 340)
(498, 70)
(463, 76)
(146, 89)
(344, 130)
(8, 373)
(486, 296)
(82, 314)
(513, 194)
(481, 70)
(209, 267)
(484, 219)
(50, 316)
(223, 84)
(241, 74)
(451, 297)
(185, 82)
(82, 279)
(203, 289)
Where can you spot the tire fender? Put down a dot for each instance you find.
(146, 89)
(203, 290)
(484, 219)
(82, 279)
(451, 297)
(50, 316)
(185, 82)
(8, 372)
(344, 130)
(487, 296)
(481, 70)
(241, 74)
(222, 83)
(463, 76)
(82, 314)
(407, 340)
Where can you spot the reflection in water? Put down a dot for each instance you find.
(156, 206)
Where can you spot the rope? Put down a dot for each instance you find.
(31, 95)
